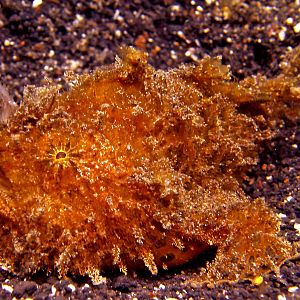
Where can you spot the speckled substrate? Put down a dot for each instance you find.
(45, 38)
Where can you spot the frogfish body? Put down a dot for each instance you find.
(135, 168)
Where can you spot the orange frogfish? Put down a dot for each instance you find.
(134, 168)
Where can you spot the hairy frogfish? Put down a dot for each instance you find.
(135, 168)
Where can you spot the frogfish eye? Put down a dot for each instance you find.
(60, 155)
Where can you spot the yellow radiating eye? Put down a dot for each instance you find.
(60, 156)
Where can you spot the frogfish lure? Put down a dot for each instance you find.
(135, 168)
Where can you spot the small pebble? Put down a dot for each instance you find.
(293, 289)
(7, 43)
(297, 227)
(71, 287)
(37, 3)
(118, 33)
(53, 291)
(7, 288)
(199, 8)
(282, 216)
(281, 35)
(289, 21)
(296, 28)
(258, 280)
(51, 53)
(209, 2)
(176, 8)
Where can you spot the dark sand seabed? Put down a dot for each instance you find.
(252, 36)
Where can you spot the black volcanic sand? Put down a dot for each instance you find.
(252, 36)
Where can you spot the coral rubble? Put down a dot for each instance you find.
(134, 167)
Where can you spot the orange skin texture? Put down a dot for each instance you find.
(138, 168)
